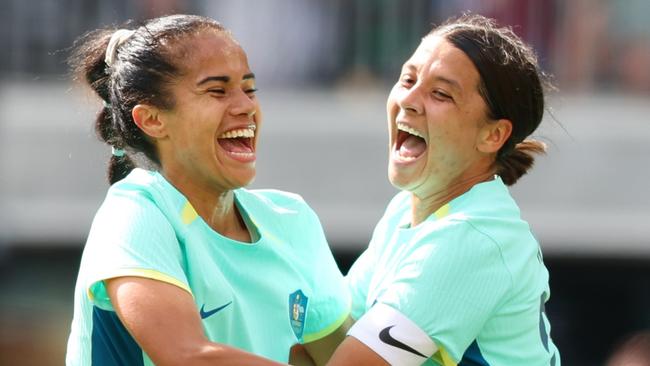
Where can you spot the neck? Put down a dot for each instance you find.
(424, 206)
(215, 206)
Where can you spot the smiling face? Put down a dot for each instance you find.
(208, 139)
(437, 121)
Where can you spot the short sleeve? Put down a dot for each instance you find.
(130, 236)
(360, 274)
(450, 286)
(358, 281)
(330, 303)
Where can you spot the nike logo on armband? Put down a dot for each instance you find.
(204, 314)
(385, 337)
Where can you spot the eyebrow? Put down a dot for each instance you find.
(453, 83)
(224, 78)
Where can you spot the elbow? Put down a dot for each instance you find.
(206, 353)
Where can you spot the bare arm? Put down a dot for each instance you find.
(163, 319)
(352, 352)
(298, 356)
(384, 336)
(321, 350)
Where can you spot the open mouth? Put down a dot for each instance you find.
(409, 144)
(238, 143)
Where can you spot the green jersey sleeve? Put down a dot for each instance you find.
(296, 223)
(450, 285)
(358, 281)
(130, 236)
(361, 273)
(330, 305)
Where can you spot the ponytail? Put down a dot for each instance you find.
(88, 63)
(130, 66)
(119, 167)
(514, 164)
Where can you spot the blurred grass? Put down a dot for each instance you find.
(37, 287)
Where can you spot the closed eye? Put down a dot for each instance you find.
(217, 91)
(407, 81)
(441, 95)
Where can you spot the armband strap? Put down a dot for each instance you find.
(393, 336)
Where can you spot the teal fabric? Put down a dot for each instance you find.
(147, 228)
(471, 272)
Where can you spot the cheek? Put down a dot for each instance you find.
(258, 112)
(392, 107)
(445, 150)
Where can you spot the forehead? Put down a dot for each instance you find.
(213, 53)
(436, 58)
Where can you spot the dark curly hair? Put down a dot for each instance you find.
(144, 66)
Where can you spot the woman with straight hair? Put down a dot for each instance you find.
(453, 275)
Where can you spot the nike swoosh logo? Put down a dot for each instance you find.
(385, 337)
(204, 314)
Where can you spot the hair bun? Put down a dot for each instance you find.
(511, 166)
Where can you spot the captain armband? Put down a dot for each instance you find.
(393, 336)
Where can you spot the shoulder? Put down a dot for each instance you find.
(455, 236)
(485, 224)
(274, 200)
(139, 183)
(491, 210)
(147, 190)
(487, 199)
(393, 216)
(399, 202)
(454, 242)
(139, 200)
(487, 210)
(133, 219)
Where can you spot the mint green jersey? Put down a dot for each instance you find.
(471, 276)
(262, 297)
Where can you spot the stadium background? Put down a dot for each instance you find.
(324, 70)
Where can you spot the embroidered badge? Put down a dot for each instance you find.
(297, 311)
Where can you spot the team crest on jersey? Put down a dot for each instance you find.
(297, 309)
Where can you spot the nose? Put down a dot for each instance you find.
(410, 101)
(243, 105)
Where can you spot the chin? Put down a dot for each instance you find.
(242, 179)
(398, 179)
(247, 180)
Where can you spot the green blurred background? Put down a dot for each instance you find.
(324, 70)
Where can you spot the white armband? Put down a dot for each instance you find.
(393, 336)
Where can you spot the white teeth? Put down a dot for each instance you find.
(244, 154)
(398, 155)
(405, 128)
(242, 132)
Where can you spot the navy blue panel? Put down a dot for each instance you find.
(473, 357)
(111, 342)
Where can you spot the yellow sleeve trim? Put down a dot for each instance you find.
(188, 213)
(144, 273)
(443, 357)
(326, 331)
(442, 212)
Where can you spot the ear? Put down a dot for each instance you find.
(493, 135)
(147, 118)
